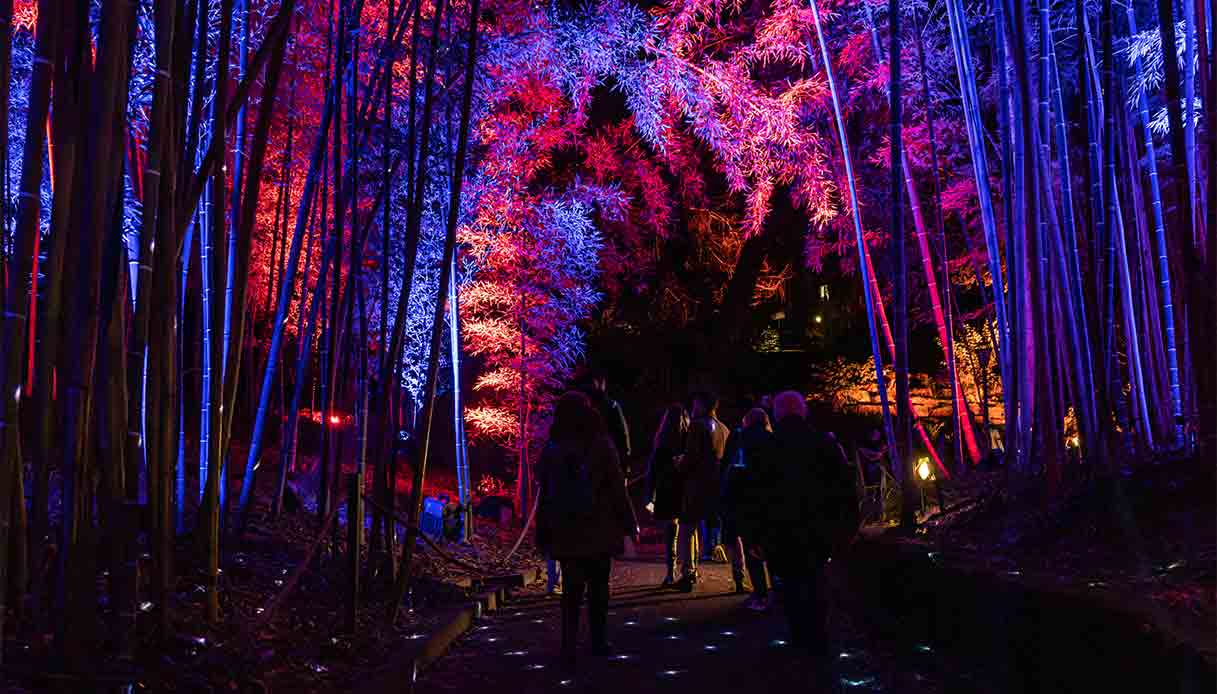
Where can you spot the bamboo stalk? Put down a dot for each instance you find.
(416, 501)
(18, 297)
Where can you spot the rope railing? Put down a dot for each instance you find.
(429, 542)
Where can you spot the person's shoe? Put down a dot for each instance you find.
(686, 583)
(668, 581)
(739, 587)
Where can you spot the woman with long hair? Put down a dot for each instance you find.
(584, 515)
(666, 483)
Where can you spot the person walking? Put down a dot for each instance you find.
(812, 513)
(666, 483)
(584, 513)
(704, 448)
(742, 505)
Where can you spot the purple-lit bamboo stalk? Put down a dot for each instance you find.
(960, 412)
(859, 236)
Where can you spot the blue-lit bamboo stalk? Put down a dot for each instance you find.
(1084, 362)
(967, 83)
(1166, 295)
(464, 488)
(286, 288)
(859, 236)
(402, 584)
(1006, 136)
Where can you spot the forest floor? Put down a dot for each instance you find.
(307, 644)
(1146, 539)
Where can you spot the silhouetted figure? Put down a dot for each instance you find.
(583, 515)
(666, 482)
(812, 511)
(742, 501)
(704, 447)
(613, 415)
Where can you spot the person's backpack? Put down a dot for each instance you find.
(570, 493)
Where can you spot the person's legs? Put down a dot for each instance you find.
(756, 574)
(686, 532)
(793, 589)
(597, 601)
(574, 580)
(553, 576)
(734, 546)
(816, 606)
(670, 542)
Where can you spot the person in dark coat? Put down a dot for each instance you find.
(583, 516)
(613, 415)
(665, 481)
(748, 447)
(812, 510)
(704, 448)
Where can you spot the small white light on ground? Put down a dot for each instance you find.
(925, 649)
(857, 683)
(622, 656)
(631, 623)
(492, 639)
(145, 606)
(777, 642)
(711, 647)
(728, 633)
(669, 673)
(516, 653)
(673, 637)
(538, 621)
(536, 666)
(566, 683)
(415, 637)
(670, 619)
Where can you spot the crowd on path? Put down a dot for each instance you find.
(772, 494)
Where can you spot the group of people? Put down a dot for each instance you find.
(780, 492)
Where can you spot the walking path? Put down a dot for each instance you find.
(671, 642)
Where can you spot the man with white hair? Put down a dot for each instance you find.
(813, 509)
